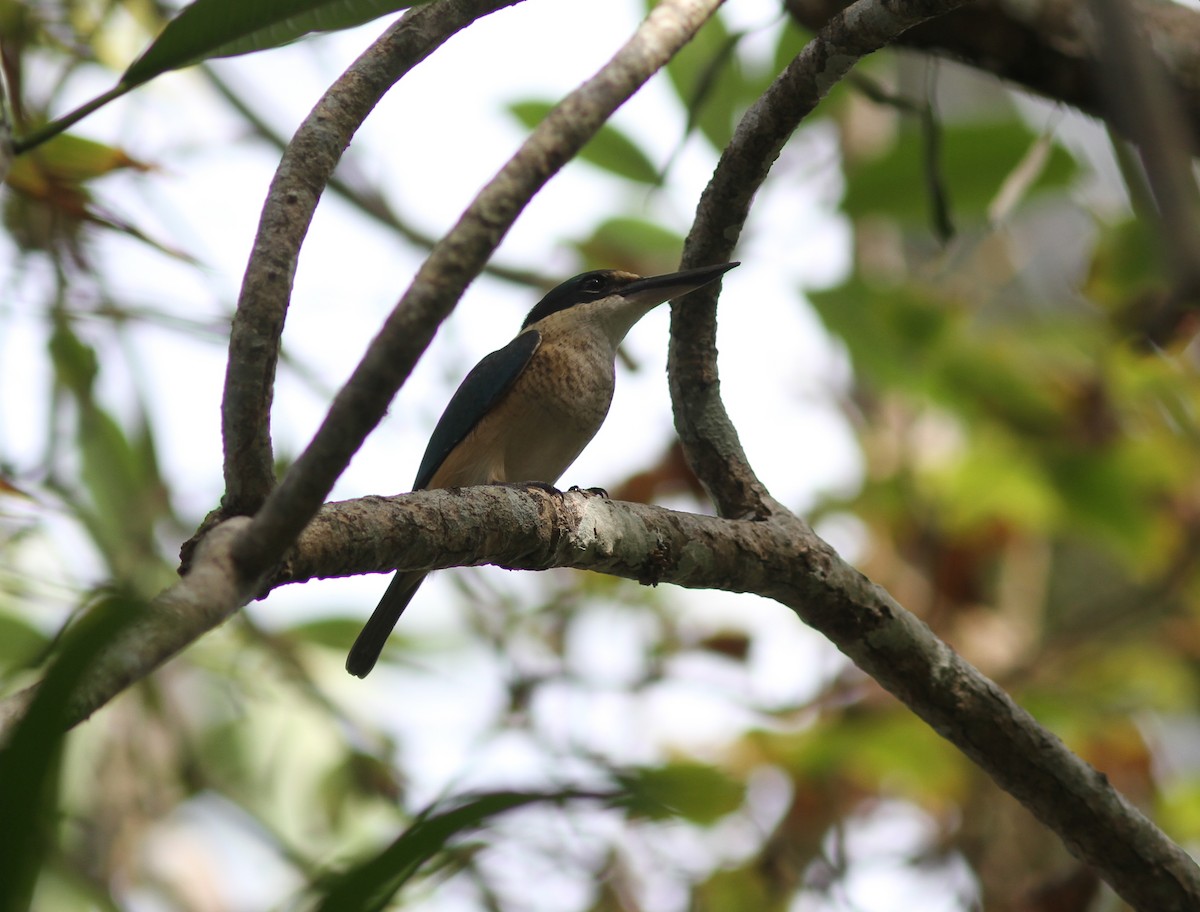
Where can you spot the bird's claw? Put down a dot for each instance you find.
(593, 492)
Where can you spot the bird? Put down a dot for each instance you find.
(526, 411)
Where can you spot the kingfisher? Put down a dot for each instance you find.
(526, 411)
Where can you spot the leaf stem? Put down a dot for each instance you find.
(48, 131)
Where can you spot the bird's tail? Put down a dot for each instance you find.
(366, 649)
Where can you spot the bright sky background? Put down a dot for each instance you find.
(431, 145)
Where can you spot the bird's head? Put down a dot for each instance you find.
(616, 300)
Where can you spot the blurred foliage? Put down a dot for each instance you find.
(31, 757)
(370, 885)
(1031, 457)
(201, 30)
(693, 791)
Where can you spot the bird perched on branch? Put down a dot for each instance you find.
(525, 412)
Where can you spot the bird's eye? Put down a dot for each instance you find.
(593, 284)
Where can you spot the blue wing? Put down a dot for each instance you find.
(479, 392)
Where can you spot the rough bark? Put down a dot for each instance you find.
(527, 528)
(1050, 47)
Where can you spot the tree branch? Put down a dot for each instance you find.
(304, 170)
(709, 438)
(782, 559)
(517, 527)
(1049, 46)
(450, 267)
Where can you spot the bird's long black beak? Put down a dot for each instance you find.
(674, 284)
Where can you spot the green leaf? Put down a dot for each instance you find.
(707, 77)
(371, 885)
(119, 471)
(206, 29)
(996, 480)
(339, 633)
(735, 891)
(332, 632)
(20, 642)
(30, 760)
(75, 362)
(109, 466)
(610, 148)
(117, 490)
(66, 160)
(636, 245)
(694, 791)
(341, 790)
(1177, 807)
(975, 370)
(1105, 492)
(1001, 375)
(1127, 262)
(888, 329)
(975, 161)
(880, 746)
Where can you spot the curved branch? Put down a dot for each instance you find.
(709, 439)
(784, 560)
(518, 527)
(304, 171)
(361, 404)
(1047, 46)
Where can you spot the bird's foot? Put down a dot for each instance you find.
(593, 492)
